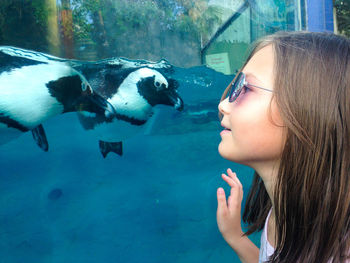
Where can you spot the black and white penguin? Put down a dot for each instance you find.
(35, 86)
(133, 88)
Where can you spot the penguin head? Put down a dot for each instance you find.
(156, 89)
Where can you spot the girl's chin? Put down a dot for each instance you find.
(222, 151)
(229, 155)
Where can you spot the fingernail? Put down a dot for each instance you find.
(220, 191)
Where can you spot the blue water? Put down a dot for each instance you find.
(156, 203)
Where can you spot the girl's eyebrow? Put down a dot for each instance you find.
(256, 81)
(251, 75)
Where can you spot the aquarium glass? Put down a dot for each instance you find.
(155, 202)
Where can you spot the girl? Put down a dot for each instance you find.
(287, 115)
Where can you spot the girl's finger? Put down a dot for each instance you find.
(228, 180)
(222, 206)
(235, 195)
(234, 177)
(229, 200)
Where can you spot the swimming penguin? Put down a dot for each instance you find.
(133, 89)
(35, 86)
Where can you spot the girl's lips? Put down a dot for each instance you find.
(225, 127)
(225, 131)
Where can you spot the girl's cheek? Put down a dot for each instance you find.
(239, 99)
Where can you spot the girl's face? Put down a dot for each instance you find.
(253, 134)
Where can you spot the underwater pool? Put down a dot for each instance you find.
(156, 202)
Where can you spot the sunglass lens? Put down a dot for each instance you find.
(236, 87)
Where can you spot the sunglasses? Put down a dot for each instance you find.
(237, 85)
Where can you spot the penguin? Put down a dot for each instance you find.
(133, 88)
(35, 87)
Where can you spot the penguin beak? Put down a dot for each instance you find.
(95, 103)
(176, 101)
(179, 104)
(101, 104)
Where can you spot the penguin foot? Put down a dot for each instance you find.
(107, 147)
(40, 137)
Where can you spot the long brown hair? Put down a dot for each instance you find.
(312, 191)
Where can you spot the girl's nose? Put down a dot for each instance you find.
(224, 107)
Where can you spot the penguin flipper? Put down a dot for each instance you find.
(40, 137)
(107, 147)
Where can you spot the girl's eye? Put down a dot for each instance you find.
(245, 89)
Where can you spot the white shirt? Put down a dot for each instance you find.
(266, 250)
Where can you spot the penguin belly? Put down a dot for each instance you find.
(132, 114)
(24, 96)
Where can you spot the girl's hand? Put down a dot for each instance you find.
(228, 214)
